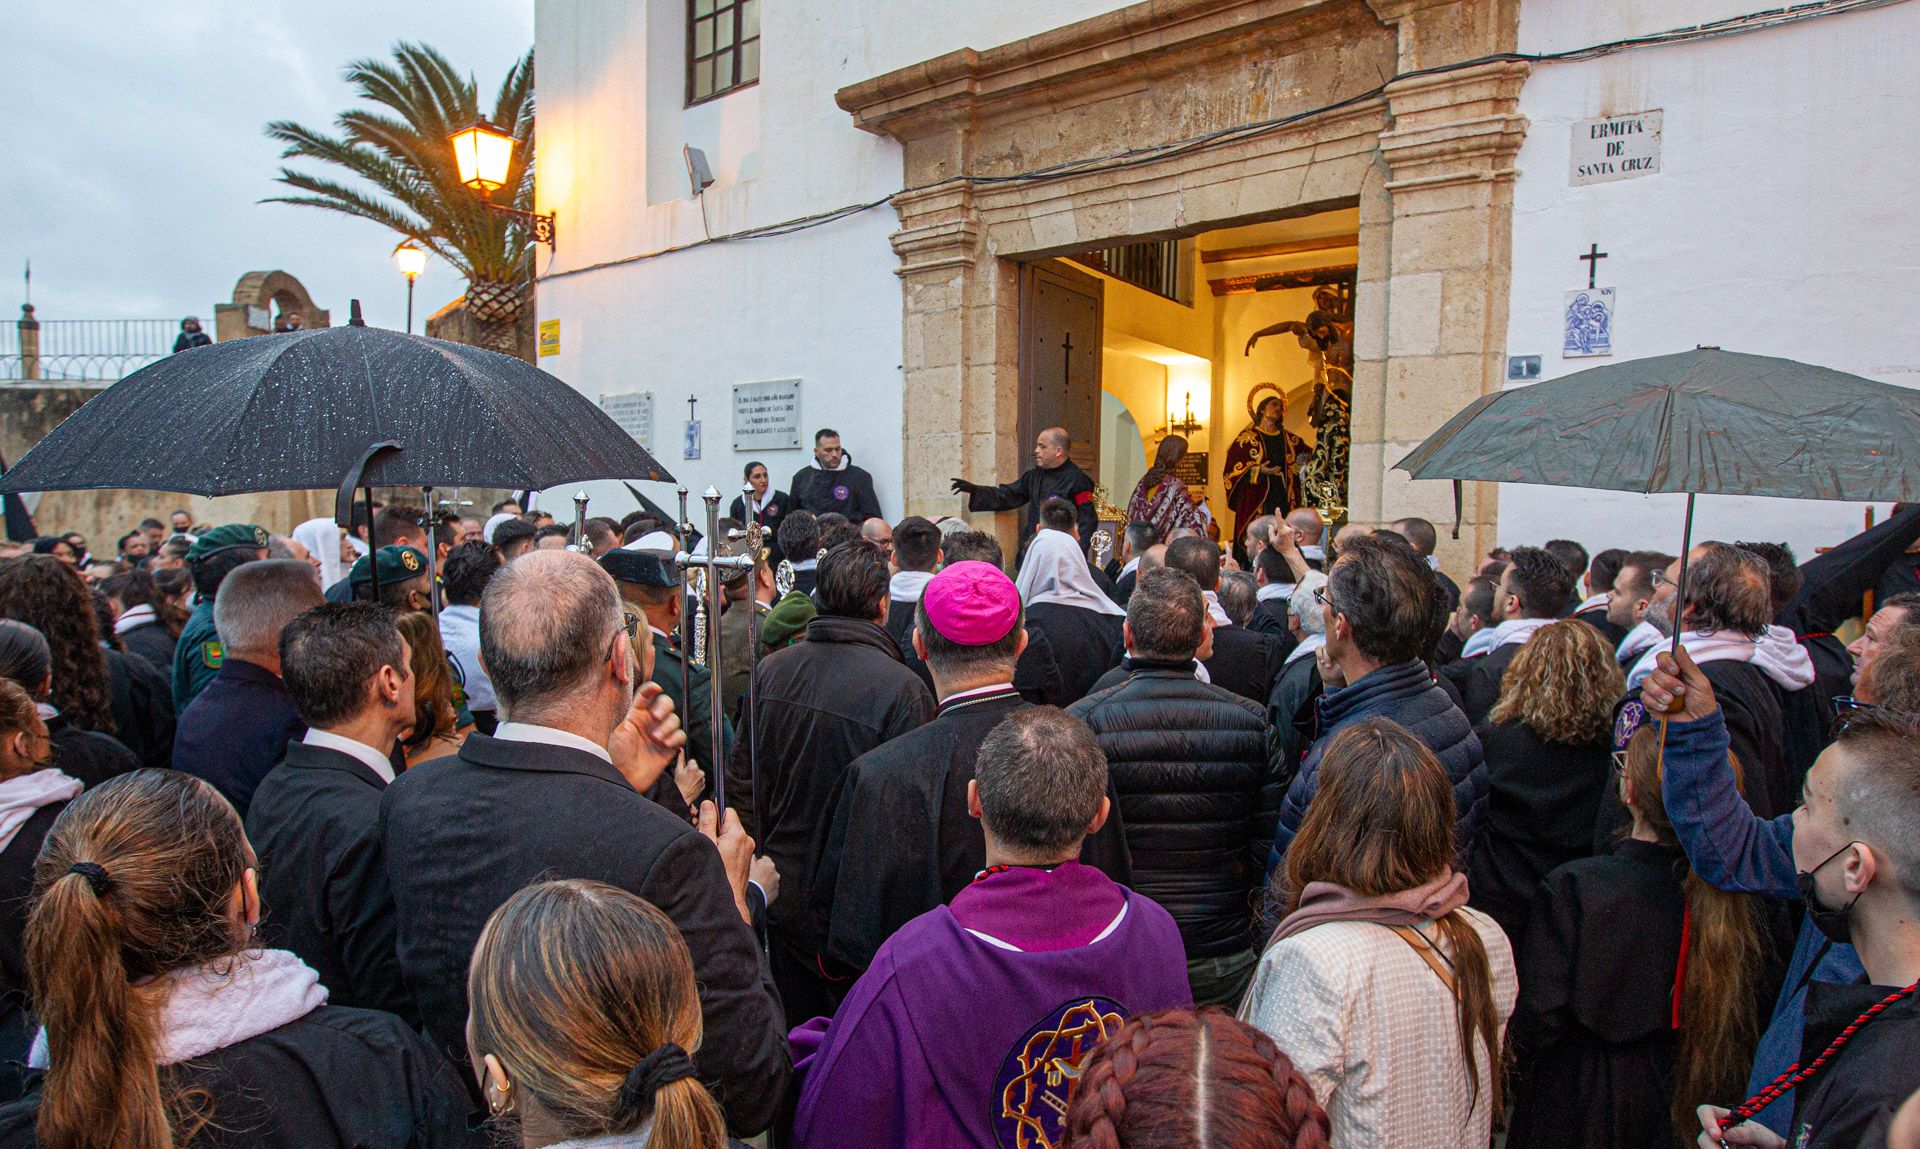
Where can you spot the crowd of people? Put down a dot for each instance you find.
(407, 832)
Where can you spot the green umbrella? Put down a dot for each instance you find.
(1703, 422)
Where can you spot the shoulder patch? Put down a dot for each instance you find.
(1039, 1075)
(212, 654)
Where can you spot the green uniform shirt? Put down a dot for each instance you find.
(196, 657)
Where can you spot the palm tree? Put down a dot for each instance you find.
(408, 182)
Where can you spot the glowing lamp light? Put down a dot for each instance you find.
(410, 258)
(483, 153)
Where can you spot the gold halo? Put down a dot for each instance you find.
(1253, 409)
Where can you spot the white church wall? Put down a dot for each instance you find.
(821, 305)
(1779, 223)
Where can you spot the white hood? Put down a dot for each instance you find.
(1776, 652)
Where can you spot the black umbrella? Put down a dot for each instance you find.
(298, 411)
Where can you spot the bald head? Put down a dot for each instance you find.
(1153, 557)
(1050, 448)
(546, 621)
(257, 601)
(1307, 523)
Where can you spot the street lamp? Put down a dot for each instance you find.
(411, 259)
(483, 153)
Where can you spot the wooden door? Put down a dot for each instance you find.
(1060, 334)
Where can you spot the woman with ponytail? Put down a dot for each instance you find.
(1185, 1080)
(1638, 987)
(584, 1020)
(1386, 991)
(164, 1028)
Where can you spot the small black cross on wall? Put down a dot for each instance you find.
(1592, 258)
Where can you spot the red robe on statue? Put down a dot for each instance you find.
(1252, 492)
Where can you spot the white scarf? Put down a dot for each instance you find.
(1273, 590)
(908, 586)
(321, 537)
(1490, 638)
(224, 1003)
(1307, 646)
(1638, 640)
(844, 460)
(1214, 610)
(1133, 564)
(1776, 652)
(136, 616)
(1055, 571)
(1591, 601)
(22, 797)
(638, 1139)
(760, 501)
(1314, 553)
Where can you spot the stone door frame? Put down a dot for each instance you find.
(1429, 160)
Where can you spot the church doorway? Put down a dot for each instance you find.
(1195, 336)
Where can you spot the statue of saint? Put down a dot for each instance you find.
(1262, 472)
(1327, 336)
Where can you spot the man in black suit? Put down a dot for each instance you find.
(312, 821)
(1593, 609)
(916, 555)
(557, 792)
(1531, 594)
(1244, 661)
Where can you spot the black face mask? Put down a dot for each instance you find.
(1830, 922)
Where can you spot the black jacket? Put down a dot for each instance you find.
(1245, 662)
(1595, 1014)
(848, 491)
(1542, 799)
(1877, 1069)
(151, 641)
(1189, 761)
(1406, 693)
(902, 842)
(1086, 643)
(776, 509)
(460, 834)
(1596, 617)
(236, 730)
(323, 887)
(88, 755)
(819, 704)
(17, 1024)
(1478, 679)
(1034, 487)
(351, 1078)
(140, 698)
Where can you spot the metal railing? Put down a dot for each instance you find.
(1151, 266)
(73, 350)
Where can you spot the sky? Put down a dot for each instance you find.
(136, 159)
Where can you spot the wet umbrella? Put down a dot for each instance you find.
(1701, 422)
(299, 411)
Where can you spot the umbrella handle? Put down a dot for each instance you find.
(343, 500)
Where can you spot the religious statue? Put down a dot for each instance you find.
(1262, 473)
(1327, 336)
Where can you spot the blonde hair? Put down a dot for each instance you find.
(573, 983)
(133, 882)
(1562, 684)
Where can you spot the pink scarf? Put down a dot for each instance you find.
(1324, 902)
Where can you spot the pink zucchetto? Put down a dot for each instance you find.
(972, 603)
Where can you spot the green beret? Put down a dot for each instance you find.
(787, 620)
(233, 536)
(397, 565)
(640, 568)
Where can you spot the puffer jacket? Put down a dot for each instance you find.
(1188, 761)
(1406, 693)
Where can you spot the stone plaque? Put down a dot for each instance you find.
(633, 410)
(1615, 148)
(766, 416)
(1192, 469)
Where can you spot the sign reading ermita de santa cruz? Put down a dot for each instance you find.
(1615, 148)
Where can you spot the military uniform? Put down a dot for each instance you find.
(196, 657)
(198, 654)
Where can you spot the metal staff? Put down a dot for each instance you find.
(580, 544)
(685, 628)
(428, 524)
(715, 708)
(755, 539)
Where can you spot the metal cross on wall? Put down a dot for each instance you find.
(1592, 259)
(1066, 362)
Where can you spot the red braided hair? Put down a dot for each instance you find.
(1187, 1080)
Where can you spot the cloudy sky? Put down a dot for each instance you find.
(135, 162)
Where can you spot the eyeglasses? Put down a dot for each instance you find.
(631, 624)
(1657, 579)
(1320, 596)
(1846, 708)
(1620, 763)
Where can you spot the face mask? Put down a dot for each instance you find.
(1830, 922)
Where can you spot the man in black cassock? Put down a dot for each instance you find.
(313, 819)
(1052, 476)
(901, 842)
